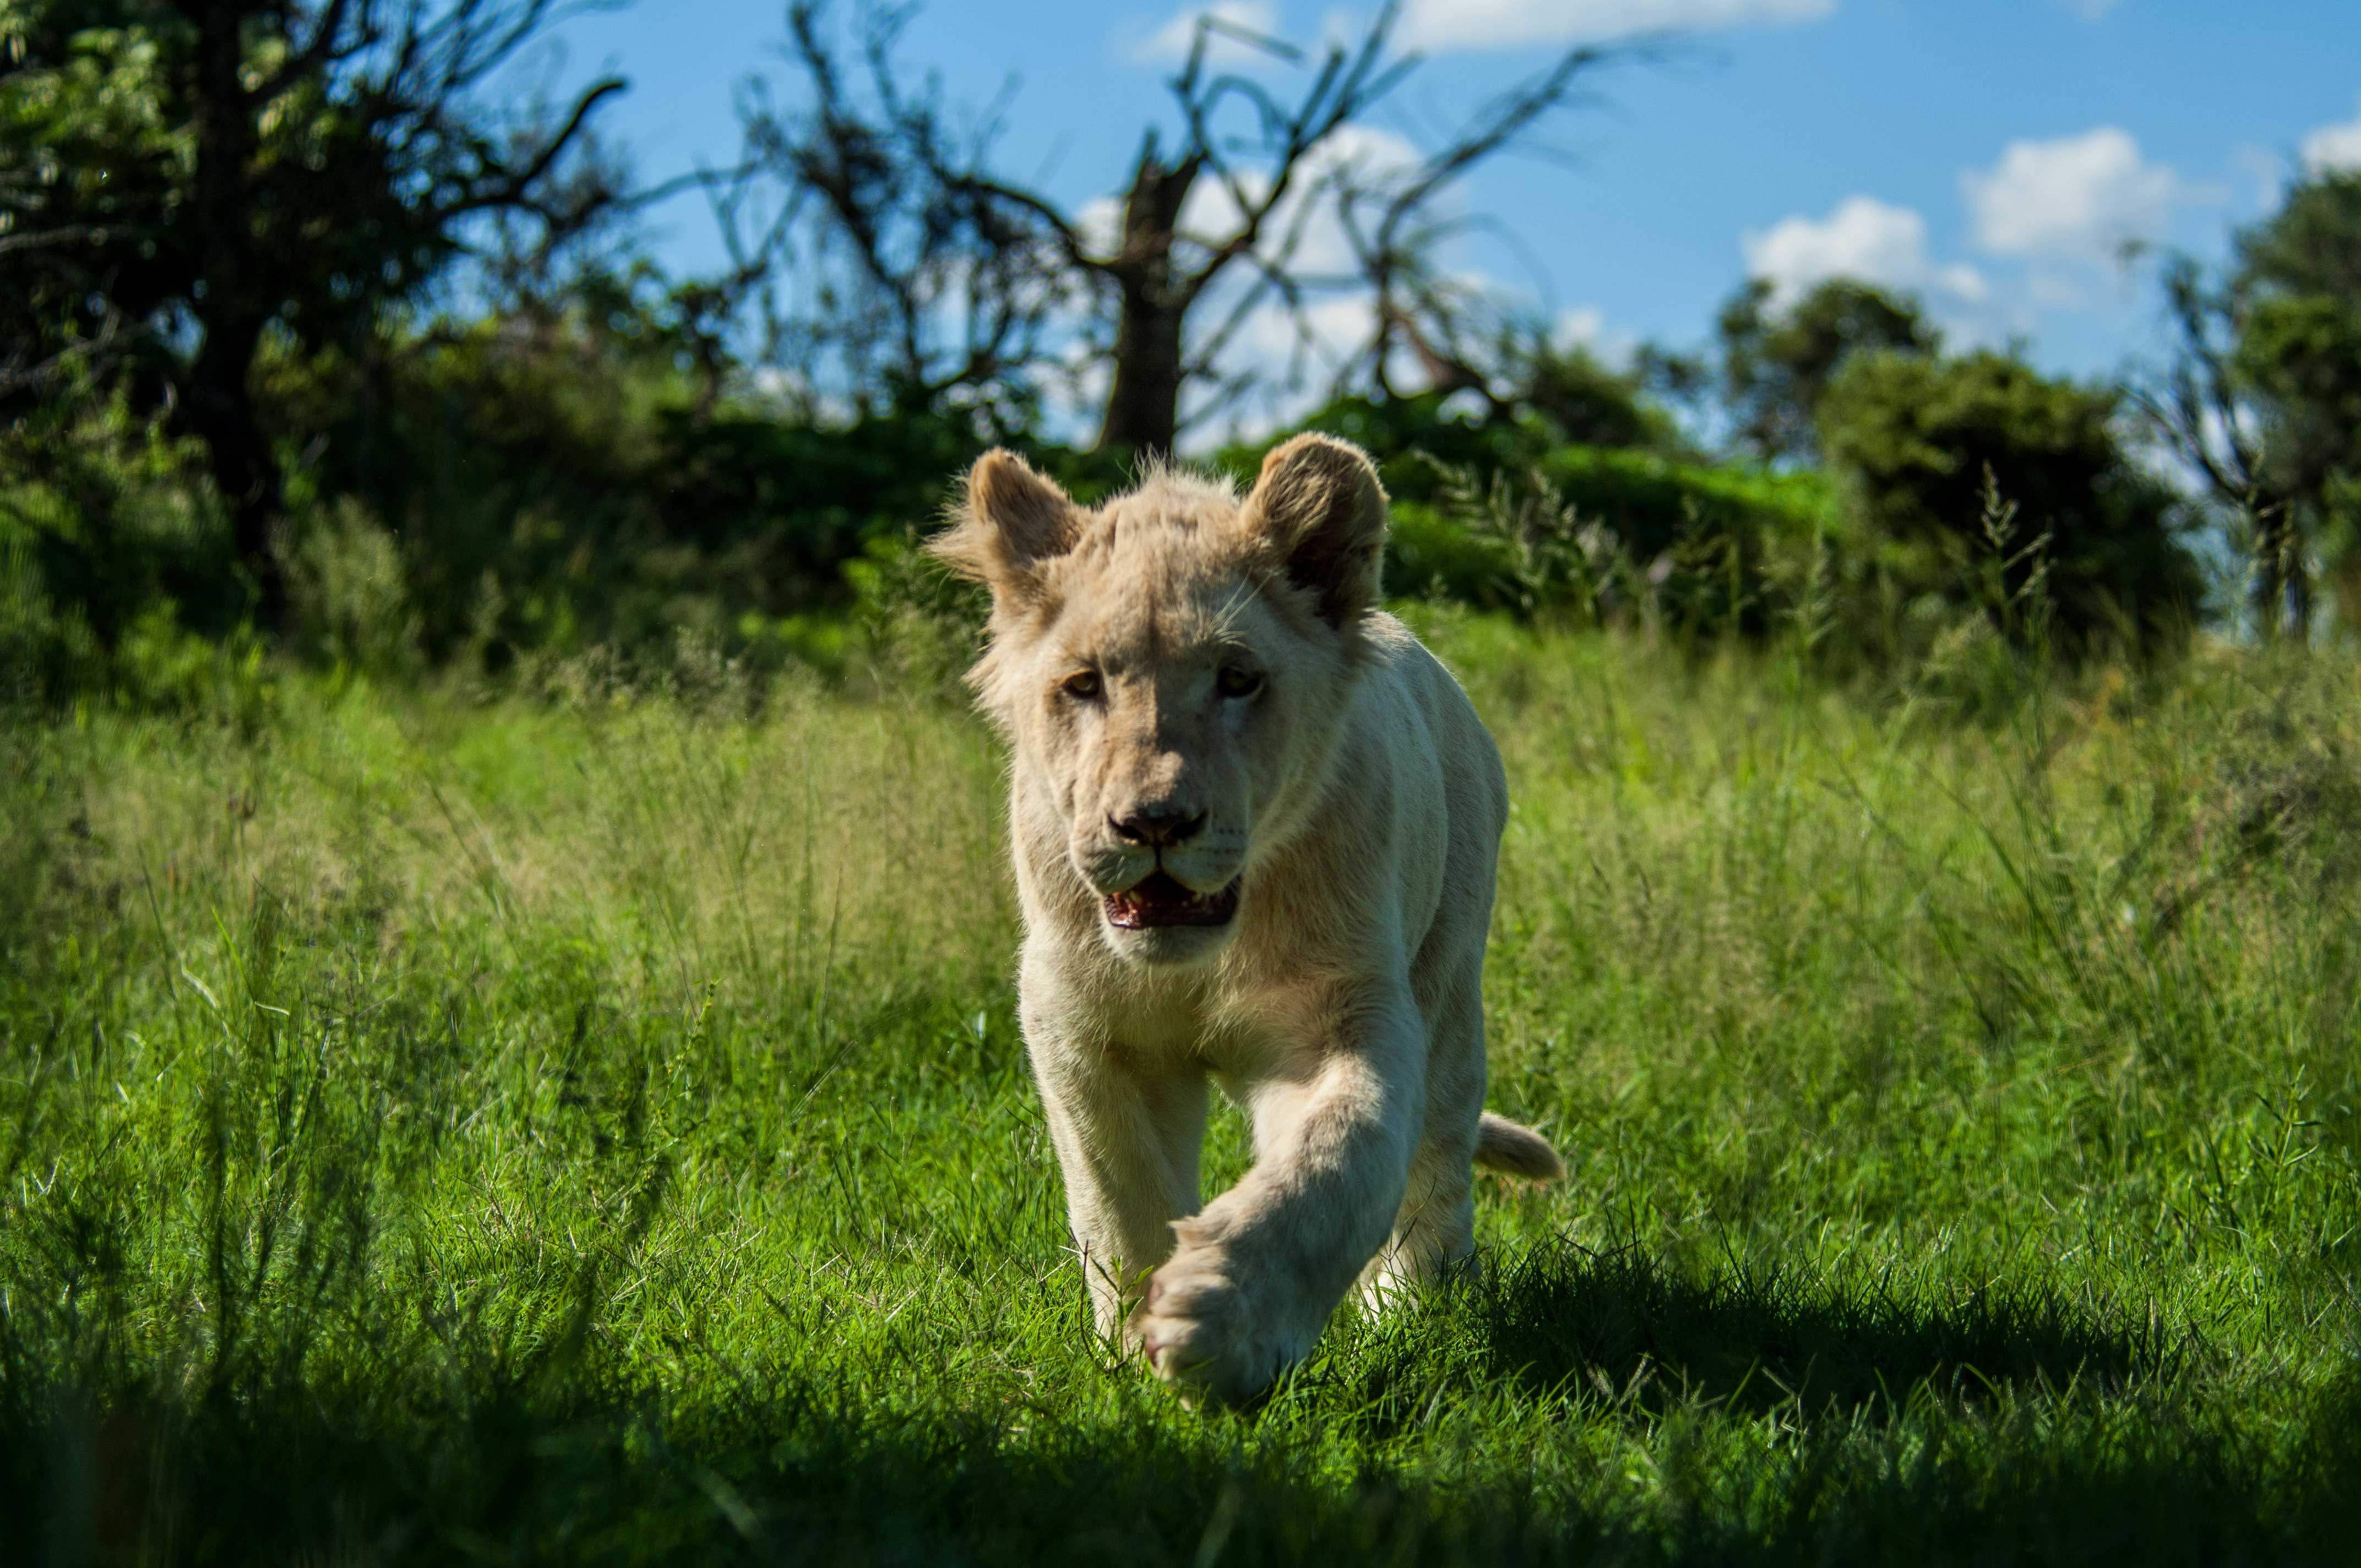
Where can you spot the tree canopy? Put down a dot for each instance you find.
(1931, 448)
(1778, 362)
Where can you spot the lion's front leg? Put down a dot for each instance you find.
(1254, 1279)
(1128, 1136)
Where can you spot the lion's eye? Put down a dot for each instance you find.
(1235, 682)
(1083, 685)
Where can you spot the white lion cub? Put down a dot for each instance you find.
(1254, 826)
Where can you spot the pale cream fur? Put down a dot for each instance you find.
(1358, 802)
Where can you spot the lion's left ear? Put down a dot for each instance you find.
(1320, 508)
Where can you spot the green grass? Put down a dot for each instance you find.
(595, 1130)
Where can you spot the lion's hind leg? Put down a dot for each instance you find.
(1433, 1235)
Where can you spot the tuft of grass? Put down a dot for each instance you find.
(595, 1129)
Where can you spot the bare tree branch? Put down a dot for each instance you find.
(882, 163)
(2198, 412)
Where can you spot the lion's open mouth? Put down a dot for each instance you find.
(1161, 900)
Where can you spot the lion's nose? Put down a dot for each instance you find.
(1164, 829)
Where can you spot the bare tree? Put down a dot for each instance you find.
(2199, 409)
(1266, 160)
(906, 277)
(1397, 234)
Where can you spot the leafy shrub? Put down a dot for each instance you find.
(353, 606)
(1507, 515)
(1655, 505)
(1916, 442)
(550, 488)
(1595, 535)
(118, 578)
(1408, 437)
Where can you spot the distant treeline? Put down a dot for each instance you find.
(334, 358)
(552, 483)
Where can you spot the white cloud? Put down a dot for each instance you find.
(1177, 37)
(2334, 146)
(2080, 197)
(1100, 223)
(2050, 287)
(2091, 10)
(1329, 330)
(2263, 172)
(1583, 326)
(1509, 24)
(1861, 238)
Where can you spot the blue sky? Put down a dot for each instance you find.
(1990, 153)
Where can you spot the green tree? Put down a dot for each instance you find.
(185, 181)
(1587, 402)
(1917, 440)
(1776, 365)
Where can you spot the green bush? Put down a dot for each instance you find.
(550, 488)
(117, 579)
(1506, 514)
(1407, 436)
(1596, 534)
(544, 489)
(1919, 445)
(1655, 504)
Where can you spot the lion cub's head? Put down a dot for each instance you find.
(1173, 668)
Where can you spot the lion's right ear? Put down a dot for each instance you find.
(1014, 520)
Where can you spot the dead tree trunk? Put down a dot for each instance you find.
(2282, 590)
(1143, 411)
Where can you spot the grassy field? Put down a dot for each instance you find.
(594, 1129)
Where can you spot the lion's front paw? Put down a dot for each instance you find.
(1203, 1331)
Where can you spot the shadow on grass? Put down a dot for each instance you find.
(1626, 1326)
(593, 1473)
(401, 1452)
(568, 1464)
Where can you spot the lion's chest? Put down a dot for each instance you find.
(1242, 1025)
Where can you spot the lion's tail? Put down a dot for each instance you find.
(1503, 1146)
